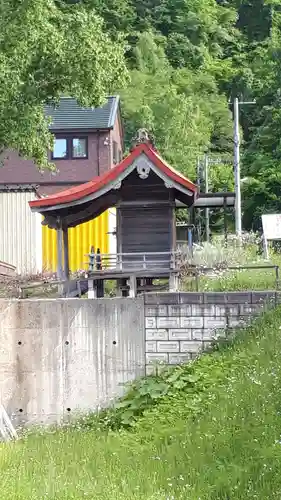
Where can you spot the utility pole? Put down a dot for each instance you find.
(237, 174)
(207, 211)
(237, 177)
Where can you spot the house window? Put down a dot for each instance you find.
(70, 148)
(115, 152)
(79, 148)
(60, 148)
(119, 155)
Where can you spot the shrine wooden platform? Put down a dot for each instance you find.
(133, 272)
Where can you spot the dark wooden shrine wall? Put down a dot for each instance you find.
(145, 216)
(145, 229)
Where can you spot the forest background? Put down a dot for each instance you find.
(177, 65)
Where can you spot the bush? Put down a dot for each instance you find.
(216, 254)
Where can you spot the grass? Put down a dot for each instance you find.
(215, 255)
(216, 438)
(258, 279)
(233, 280)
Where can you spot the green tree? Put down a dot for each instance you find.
(49, 49)
(181, 108)
(187, 58)
(262, 152)
(118, 15)
(194, 30)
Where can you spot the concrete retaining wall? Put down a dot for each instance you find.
(63, 356)
(60, 356)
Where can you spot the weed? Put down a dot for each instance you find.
(219, 257)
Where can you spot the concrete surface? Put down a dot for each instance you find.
(63, 357)
(60, 357)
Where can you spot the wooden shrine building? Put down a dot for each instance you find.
(145, 190)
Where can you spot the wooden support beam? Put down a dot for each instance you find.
(59, 251)
(92, 289)
(173, 230)
(133, 286)
(118, 288)
(66, 253)
(100, 288)
(173, 283)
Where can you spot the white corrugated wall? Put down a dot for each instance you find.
(112, 229)
(20, 232)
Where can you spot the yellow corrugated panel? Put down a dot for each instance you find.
(80, 240)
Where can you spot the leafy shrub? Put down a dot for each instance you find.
(192, 379)
(146, 392)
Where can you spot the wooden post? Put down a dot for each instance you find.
(133, 286)
(92, 259)
(66, 254)
(190, 242)
(59, 250)
(118, 288)
(92, 289)
(173, 283)
(173, 244)
(125, 292)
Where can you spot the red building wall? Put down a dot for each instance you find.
(17, 170)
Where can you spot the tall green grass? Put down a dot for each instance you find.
(219, 257)
(232, 280)
(235, 280)
(218, 438)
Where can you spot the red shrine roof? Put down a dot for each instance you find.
(79, 192)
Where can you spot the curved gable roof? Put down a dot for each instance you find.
(98, 184)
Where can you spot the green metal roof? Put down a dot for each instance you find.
(69, 115)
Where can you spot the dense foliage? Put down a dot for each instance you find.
(187, 60)
(48, 49)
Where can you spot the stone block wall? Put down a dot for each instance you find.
(178, 326)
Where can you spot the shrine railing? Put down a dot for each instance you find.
(137, 261)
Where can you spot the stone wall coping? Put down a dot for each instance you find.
(241, 297)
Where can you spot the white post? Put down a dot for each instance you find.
(265, 247)
(133, 286)
(238, 223)
(92, 289)
(173, 283)
(238, 216)
(7, 430)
